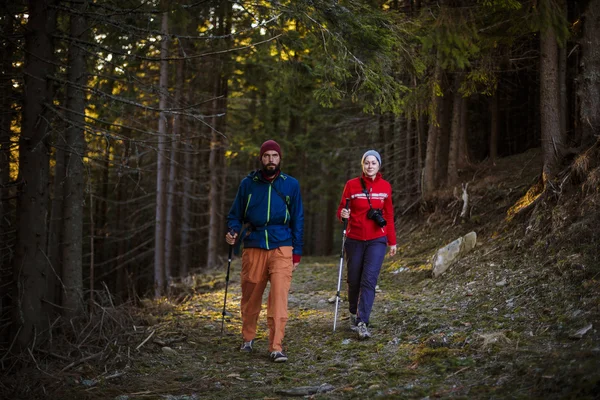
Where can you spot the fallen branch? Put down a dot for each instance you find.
(81, 361)
(144, 342)
(53, 355)
(457, 372)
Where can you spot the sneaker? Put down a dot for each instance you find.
(363, 332)
(247, 346)
(278, 356)
(353, 326)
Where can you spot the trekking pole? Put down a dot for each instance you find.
(339, 285)
(226, 287)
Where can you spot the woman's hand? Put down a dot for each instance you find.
(393, 250)
(345, 214)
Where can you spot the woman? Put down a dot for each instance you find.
(370, 230)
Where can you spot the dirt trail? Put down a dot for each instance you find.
(465, 335)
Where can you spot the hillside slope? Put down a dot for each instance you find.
(501, 323)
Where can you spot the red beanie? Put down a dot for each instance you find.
(269, 145)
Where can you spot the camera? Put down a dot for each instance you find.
(376, 215)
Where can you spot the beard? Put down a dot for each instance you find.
(270, 169)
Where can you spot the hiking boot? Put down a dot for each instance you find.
(247, 347)
(363, 332)
(353, 326)
(278, 356)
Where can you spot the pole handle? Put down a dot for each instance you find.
(347, 206)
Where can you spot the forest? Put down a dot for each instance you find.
(126, 128)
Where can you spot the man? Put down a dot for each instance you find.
(267, 214)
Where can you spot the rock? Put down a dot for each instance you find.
(169, 351)
(445, 256)
(579, 334)
(293, 300)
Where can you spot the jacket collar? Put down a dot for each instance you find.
(257, 176)
(367, 179)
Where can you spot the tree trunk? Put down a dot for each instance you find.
(463, 146)
(7, 50)
(72, 300)
(411, 165)
(562, 74)
(454, 134)
(55, 226)
(589, 87)
(31, 314)
(213, 192)
(161, 164)
(433, 137)
(552, 139)
(494, 127)
(443, 145)
(216, 163)
(186, 206)
(121, 211)
(171, 198)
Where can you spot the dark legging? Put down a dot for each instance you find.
(364, 259)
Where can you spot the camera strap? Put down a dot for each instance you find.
(365, 191)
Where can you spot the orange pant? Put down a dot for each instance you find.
(260, 266)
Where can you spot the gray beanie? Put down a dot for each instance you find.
(371, 153)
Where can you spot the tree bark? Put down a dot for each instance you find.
(443, 145)
(429, 184)
(454, 134)
(589, 87)
(186, 206)
(171, 198)
(463, 145)
(7, 50)
(30, 268)
(216, 163)
(411, 164)
(552, 139)
(161, 163)
(55, 226)
(72, 300)
(494, 127)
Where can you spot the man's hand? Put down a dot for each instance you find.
(295, 266)
(230, 238)
(392, 251)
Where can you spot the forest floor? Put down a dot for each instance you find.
(516, 318)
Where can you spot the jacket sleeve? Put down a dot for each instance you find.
(235, 217)
(297, 220)
(388, 211)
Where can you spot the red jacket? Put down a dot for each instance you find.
(359, 226)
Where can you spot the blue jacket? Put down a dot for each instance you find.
(259, 212)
